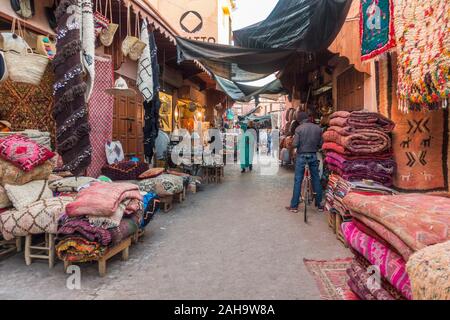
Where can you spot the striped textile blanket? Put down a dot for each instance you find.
(391, 265)
(365, 141)
(362, 120)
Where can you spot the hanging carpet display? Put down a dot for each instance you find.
(144, 79)
(28, 106)
(70, 111)
(151, 108)
(376, 27)
(423, 46)
(419, 140)
(101, 109)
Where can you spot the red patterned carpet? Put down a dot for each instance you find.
(331, 278)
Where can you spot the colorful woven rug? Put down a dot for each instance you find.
(27, 106)
(376, 27)
(331, 278)
(101, 109)
(421, 31)
(420, 138)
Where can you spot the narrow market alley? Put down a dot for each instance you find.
(234, 240)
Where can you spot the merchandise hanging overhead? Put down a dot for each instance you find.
(306, 25)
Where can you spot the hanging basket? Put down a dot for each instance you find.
(26, 67)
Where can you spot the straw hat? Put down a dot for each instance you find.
(121, 88)
(5, 123)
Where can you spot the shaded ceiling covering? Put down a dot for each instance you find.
(306, 25)
(295, 31)
(245, 93)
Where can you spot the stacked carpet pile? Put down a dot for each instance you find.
(401, 246)
(358, 146)
(101, 216)
(339, 187)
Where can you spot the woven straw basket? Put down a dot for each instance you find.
(26, 67)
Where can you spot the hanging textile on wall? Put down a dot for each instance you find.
(28, 106)
(420, 140)
(421, 30)
(70, 112)
(376, 27)
(88, 44)
(151, 108)
(101, 110)
(144, 79)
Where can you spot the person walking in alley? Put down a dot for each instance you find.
(247, 146)
(307, 140)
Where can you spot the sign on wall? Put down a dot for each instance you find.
(193, 19)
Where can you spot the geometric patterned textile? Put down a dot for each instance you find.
(423, 45)
(28, 106)
(390, 265)
(331, 278)
(418, 220)
(376, 27)
(420, 140)
(23, 152)
(39, 217)
(101, 108)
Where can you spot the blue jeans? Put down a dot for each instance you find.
(313, 164)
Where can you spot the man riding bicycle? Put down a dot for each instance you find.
(307, 140)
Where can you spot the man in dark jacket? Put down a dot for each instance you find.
(307, 140)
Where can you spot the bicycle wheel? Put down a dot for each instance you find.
(306, 202)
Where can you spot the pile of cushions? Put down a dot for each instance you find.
(102, 215)
(358, 146)
(163, 185)
(25, 169)
(400, 236)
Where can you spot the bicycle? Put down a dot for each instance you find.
(307, 192)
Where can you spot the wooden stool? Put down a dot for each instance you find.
(139, 234)
(44, 250)
(9, 246)
(339, 234)
(123, 247)
(332, 221)
(166, 203)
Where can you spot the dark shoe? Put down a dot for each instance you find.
(293, 210)
(243, 171)
(250, 167)
(320, 208)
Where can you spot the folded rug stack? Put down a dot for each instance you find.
(338, 188)
(358, 146)
(102, 215)
(401, 246)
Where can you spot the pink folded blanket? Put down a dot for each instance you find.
(102, 199)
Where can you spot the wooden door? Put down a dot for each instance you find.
(350, 90)
(128, 125)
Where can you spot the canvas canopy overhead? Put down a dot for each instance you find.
(301, 27)
(306, 25)
(245, 93)
(233, 63)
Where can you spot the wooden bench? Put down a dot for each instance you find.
(44, 250)
(9, 246)
(166, 203)
(123, 247)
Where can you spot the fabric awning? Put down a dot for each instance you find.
(233, 63)
(245, 93)
(306, 25)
